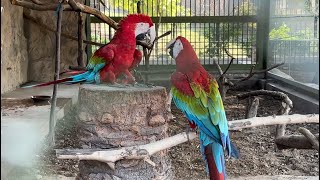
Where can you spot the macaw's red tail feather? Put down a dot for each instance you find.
(49, 83)
(213, 171)
(73, 72)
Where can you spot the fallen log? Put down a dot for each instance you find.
(311, 138)
(294, 141)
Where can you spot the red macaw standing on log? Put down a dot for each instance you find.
(195, 92)
(117, 57)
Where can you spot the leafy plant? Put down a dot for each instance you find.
(229, 35)
(283, 32)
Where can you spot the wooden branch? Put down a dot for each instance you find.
(294, 141)
(231, 61)
(103, 4)
(132, 152)
(110, 156)
(74, 6)
(259, 72)
(80, 41)
(252, 108)
(98, 14)
(276, 94)
(163, 35)
(67, 7)
(273, 120)
(312, 139)
(218, 67)
(56, 77)
(62, 34)
(139, 7)
(280, 129)
(37, 2)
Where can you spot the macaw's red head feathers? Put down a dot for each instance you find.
(142, 26)
(182, 51)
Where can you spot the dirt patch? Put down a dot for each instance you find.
(259, 155)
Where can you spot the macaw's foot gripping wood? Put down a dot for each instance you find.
(112, 117)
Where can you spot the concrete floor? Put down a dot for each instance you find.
(24, 126)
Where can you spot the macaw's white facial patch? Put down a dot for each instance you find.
(141, 28)
(177, 48)
(152, 33)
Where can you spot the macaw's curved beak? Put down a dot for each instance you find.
(170, 46)
(148, 36)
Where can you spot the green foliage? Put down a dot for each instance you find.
(153, 7)
(225, 35)
(246, 8)
(283, 32)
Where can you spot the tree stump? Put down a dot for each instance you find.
(112, 117)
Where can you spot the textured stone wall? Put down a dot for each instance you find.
(42, 43)
(28, 50)
(14, 57)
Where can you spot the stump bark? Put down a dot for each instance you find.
(112, 117)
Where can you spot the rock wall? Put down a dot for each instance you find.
(42, 43)
(28, 50)
(14, 56)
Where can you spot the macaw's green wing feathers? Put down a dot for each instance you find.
(205, 108)
(101, 57)
(193, 101)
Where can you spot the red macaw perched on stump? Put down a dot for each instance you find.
(195, 92)
(117, 57)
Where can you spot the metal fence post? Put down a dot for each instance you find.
(263, 34)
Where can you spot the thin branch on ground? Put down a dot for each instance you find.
(312, 139)
(251, 74)
(280, 129)
(276, 94)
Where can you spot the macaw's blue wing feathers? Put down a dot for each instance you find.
(205, 109)
(89, 76)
